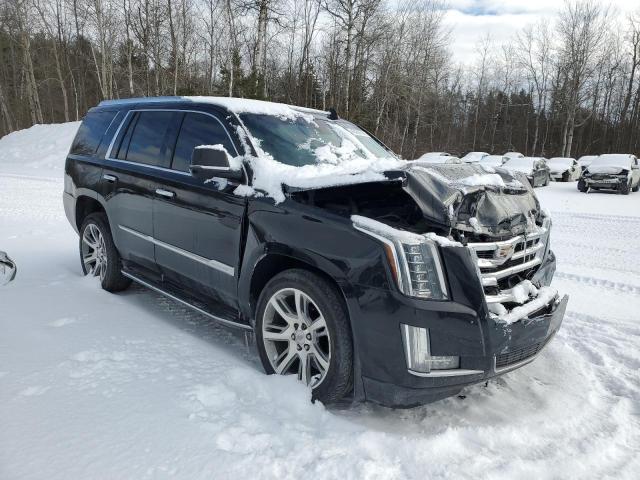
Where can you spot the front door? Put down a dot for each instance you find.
(197, 225)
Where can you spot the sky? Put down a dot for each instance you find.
(470, 20)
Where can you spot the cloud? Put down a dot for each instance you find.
(470, 20)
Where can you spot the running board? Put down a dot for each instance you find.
(228, 323)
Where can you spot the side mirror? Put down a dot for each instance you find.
(7, 269)
(208, 161)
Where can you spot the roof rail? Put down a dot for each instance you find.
(124, 101)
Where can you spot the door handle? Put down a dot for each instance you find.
(109, 178)
(165, 193)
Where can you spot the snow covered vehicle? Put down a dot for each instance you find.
(535, 169)
(7, 269)
(564, 169)
(493, 160)
(613, 171)
(585, 160)
(364, 275)
(473, 157)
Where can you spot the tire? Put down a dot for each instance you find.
(566, 176)
(546, 181)
(625, 189)
(96, 241)
(636, 188)
(582, 186)
(331, 343)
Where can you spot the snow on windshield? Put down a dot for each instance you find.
(613, 159)
(310, 153)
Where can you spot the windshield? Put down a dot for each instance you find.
(303, 141)
(612, 159)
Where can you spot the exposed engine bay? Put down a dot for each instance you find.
(493, 213)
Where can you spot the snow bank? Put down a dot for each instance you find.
(40, 150)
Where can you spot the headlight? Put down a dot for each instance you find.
(414, 260)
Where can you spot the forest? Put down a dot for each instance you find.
(565, 87)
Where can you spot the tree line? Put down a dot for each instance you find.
(565, 87)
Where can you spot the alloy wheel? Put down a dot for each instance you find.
(296, 337)
(94, 251)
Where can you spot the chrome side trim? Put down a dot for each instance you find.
(447, 373)
(193, 256)
(187, 304)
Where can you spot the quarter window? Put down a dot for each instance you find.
(198, 129)
(91, 131)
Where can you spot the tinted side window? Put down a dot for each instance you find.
(198, 129)
(90, 132)
(148, 139)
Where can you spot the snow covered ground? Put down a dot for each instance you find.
(132, 386)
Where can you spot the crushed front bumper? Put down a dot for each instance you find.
(524, 342)
(462, 327)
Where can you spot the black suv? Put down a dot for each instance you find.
(390, 281)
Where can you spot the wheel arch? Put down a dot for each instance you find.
(86, 205)
(270, 265)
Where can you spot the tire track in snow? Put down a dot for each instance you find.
(598, 218)
(599, 282)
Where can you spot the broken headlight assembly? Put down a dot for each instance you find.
(413, 259)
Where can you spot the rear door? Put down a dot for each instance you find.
(139, 151)
(197, 225)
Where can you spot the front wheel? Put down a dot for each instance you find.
(625, 189)
(98, 254)
(582, 186)
(302, 329)
(636, 188)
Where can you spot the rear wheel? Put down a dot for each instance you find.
(98, 254)
(302, 329)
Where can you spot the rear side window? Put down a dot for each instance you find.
(198, 129)
(147, 144)
(91, 132)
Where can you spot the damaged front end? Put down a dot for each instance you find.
(496, 215)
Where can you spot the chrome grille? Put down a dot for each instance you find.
(506, 262)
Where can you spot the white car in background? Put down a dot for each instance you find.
(535, 168)
(474, 157)
(493, 160)
(433, 155)
(585, 160)
(513, 155)
(438, 159)
(564, 169)
(614, 171)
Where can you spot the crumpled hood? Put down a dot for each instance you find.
(473, 198)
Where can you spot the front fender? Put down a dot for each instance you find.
(323, 241)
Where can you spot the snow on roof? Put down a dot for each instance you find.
(259, 107)
(233, 104)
